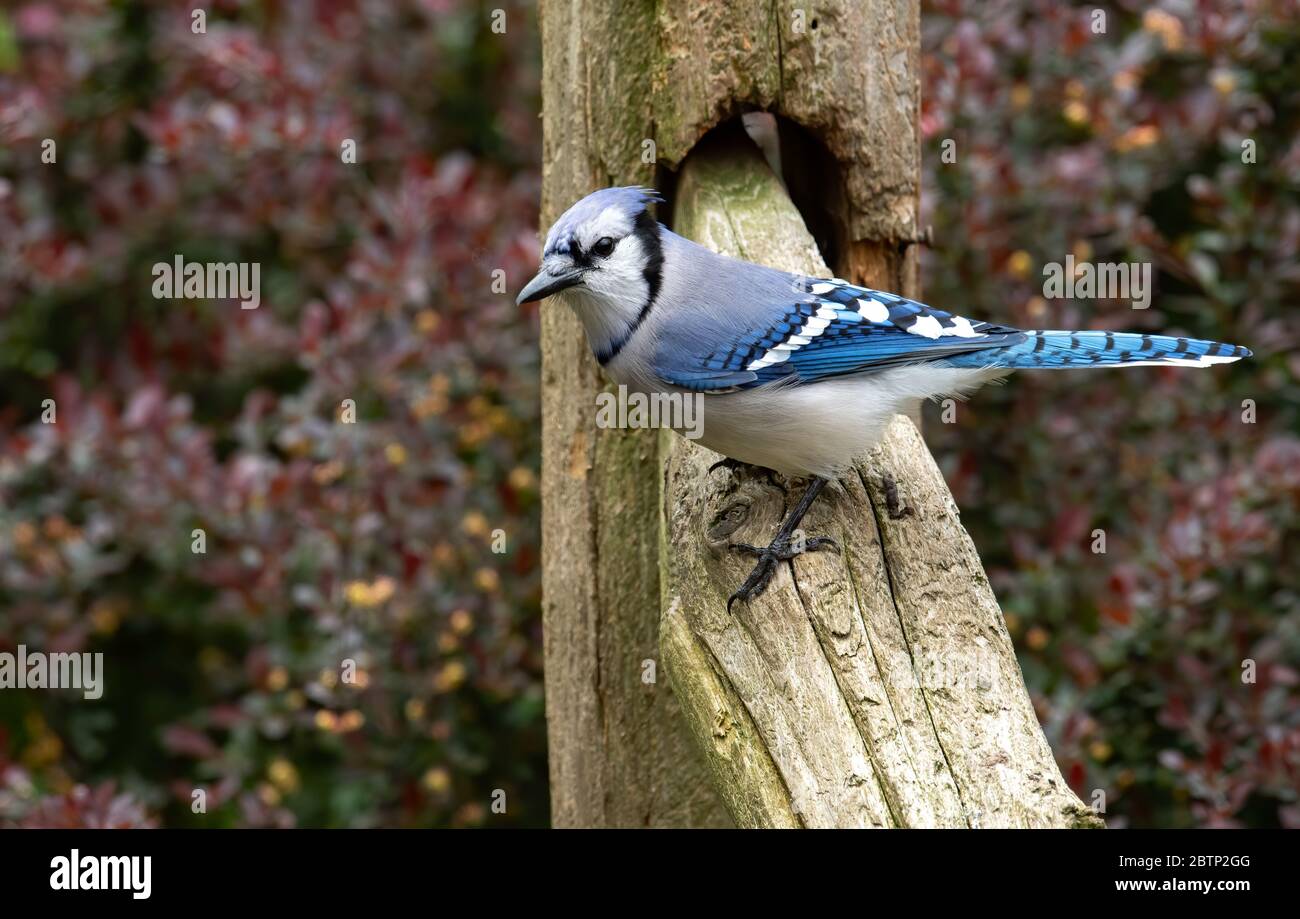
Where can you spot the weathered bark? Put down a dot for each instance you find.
(876, 687)
(619, 751)
(810, 707)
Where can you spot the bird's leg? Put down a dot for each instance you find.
(781, 549)
(892, 504)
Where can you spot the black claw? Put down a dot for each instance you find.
(821, 542)
(726, 463)
(757, 581)
(782, 549)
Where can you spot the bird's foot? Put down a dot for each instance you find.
(892, 504)
(782, 549)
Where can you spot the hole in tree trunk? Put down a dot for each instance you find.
(811, 175)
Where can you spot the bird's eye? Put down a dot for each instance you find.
(604, 247)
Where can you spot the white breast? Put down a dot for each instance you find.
(821, 428)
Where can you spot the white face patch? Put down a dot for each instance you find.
(611, 222)
(614, 289)
(613, 292)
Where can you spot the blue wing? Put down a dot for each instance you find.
(839, 329)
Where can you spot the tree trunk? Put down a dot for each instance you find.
(619, 751)
(874, 688)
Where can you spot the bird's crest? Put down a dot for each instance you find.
(630, 200)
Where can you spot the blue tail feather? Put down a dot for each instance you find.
(1064, 350)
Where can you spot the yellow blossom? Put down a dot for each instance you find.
(351, 720)
(395, 454)
(414, 709)
(474, 433)
(359, 593)
(300, 446)
(1100, 750)
(444, 553)
(499, 419)
(1137, 137)
(1126, 80)
(1168, 28)
(426, 321)
(283, 775)
(429, 405)
(522, 478)
(470, 814)
(105, 616)
(1076, 112)
(478, 406)
(474, 524)
(325, 473)
(326, 720)
(42, 751)
(487, 580)
(1019, 264)
(437, 780)
(450, 676)
(461, 621)
(277, 679)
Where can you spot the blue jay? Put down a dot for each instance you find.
(800, 375)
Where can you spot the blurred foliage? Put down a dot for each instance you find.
(348, 651)
(371, 542)
(1126, 146)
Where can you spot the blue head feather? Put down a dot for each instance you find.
(631, 200)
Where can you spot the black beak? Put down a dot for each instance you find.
(546, 284)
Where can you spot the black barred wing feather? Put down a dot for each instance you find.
(840, 329)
